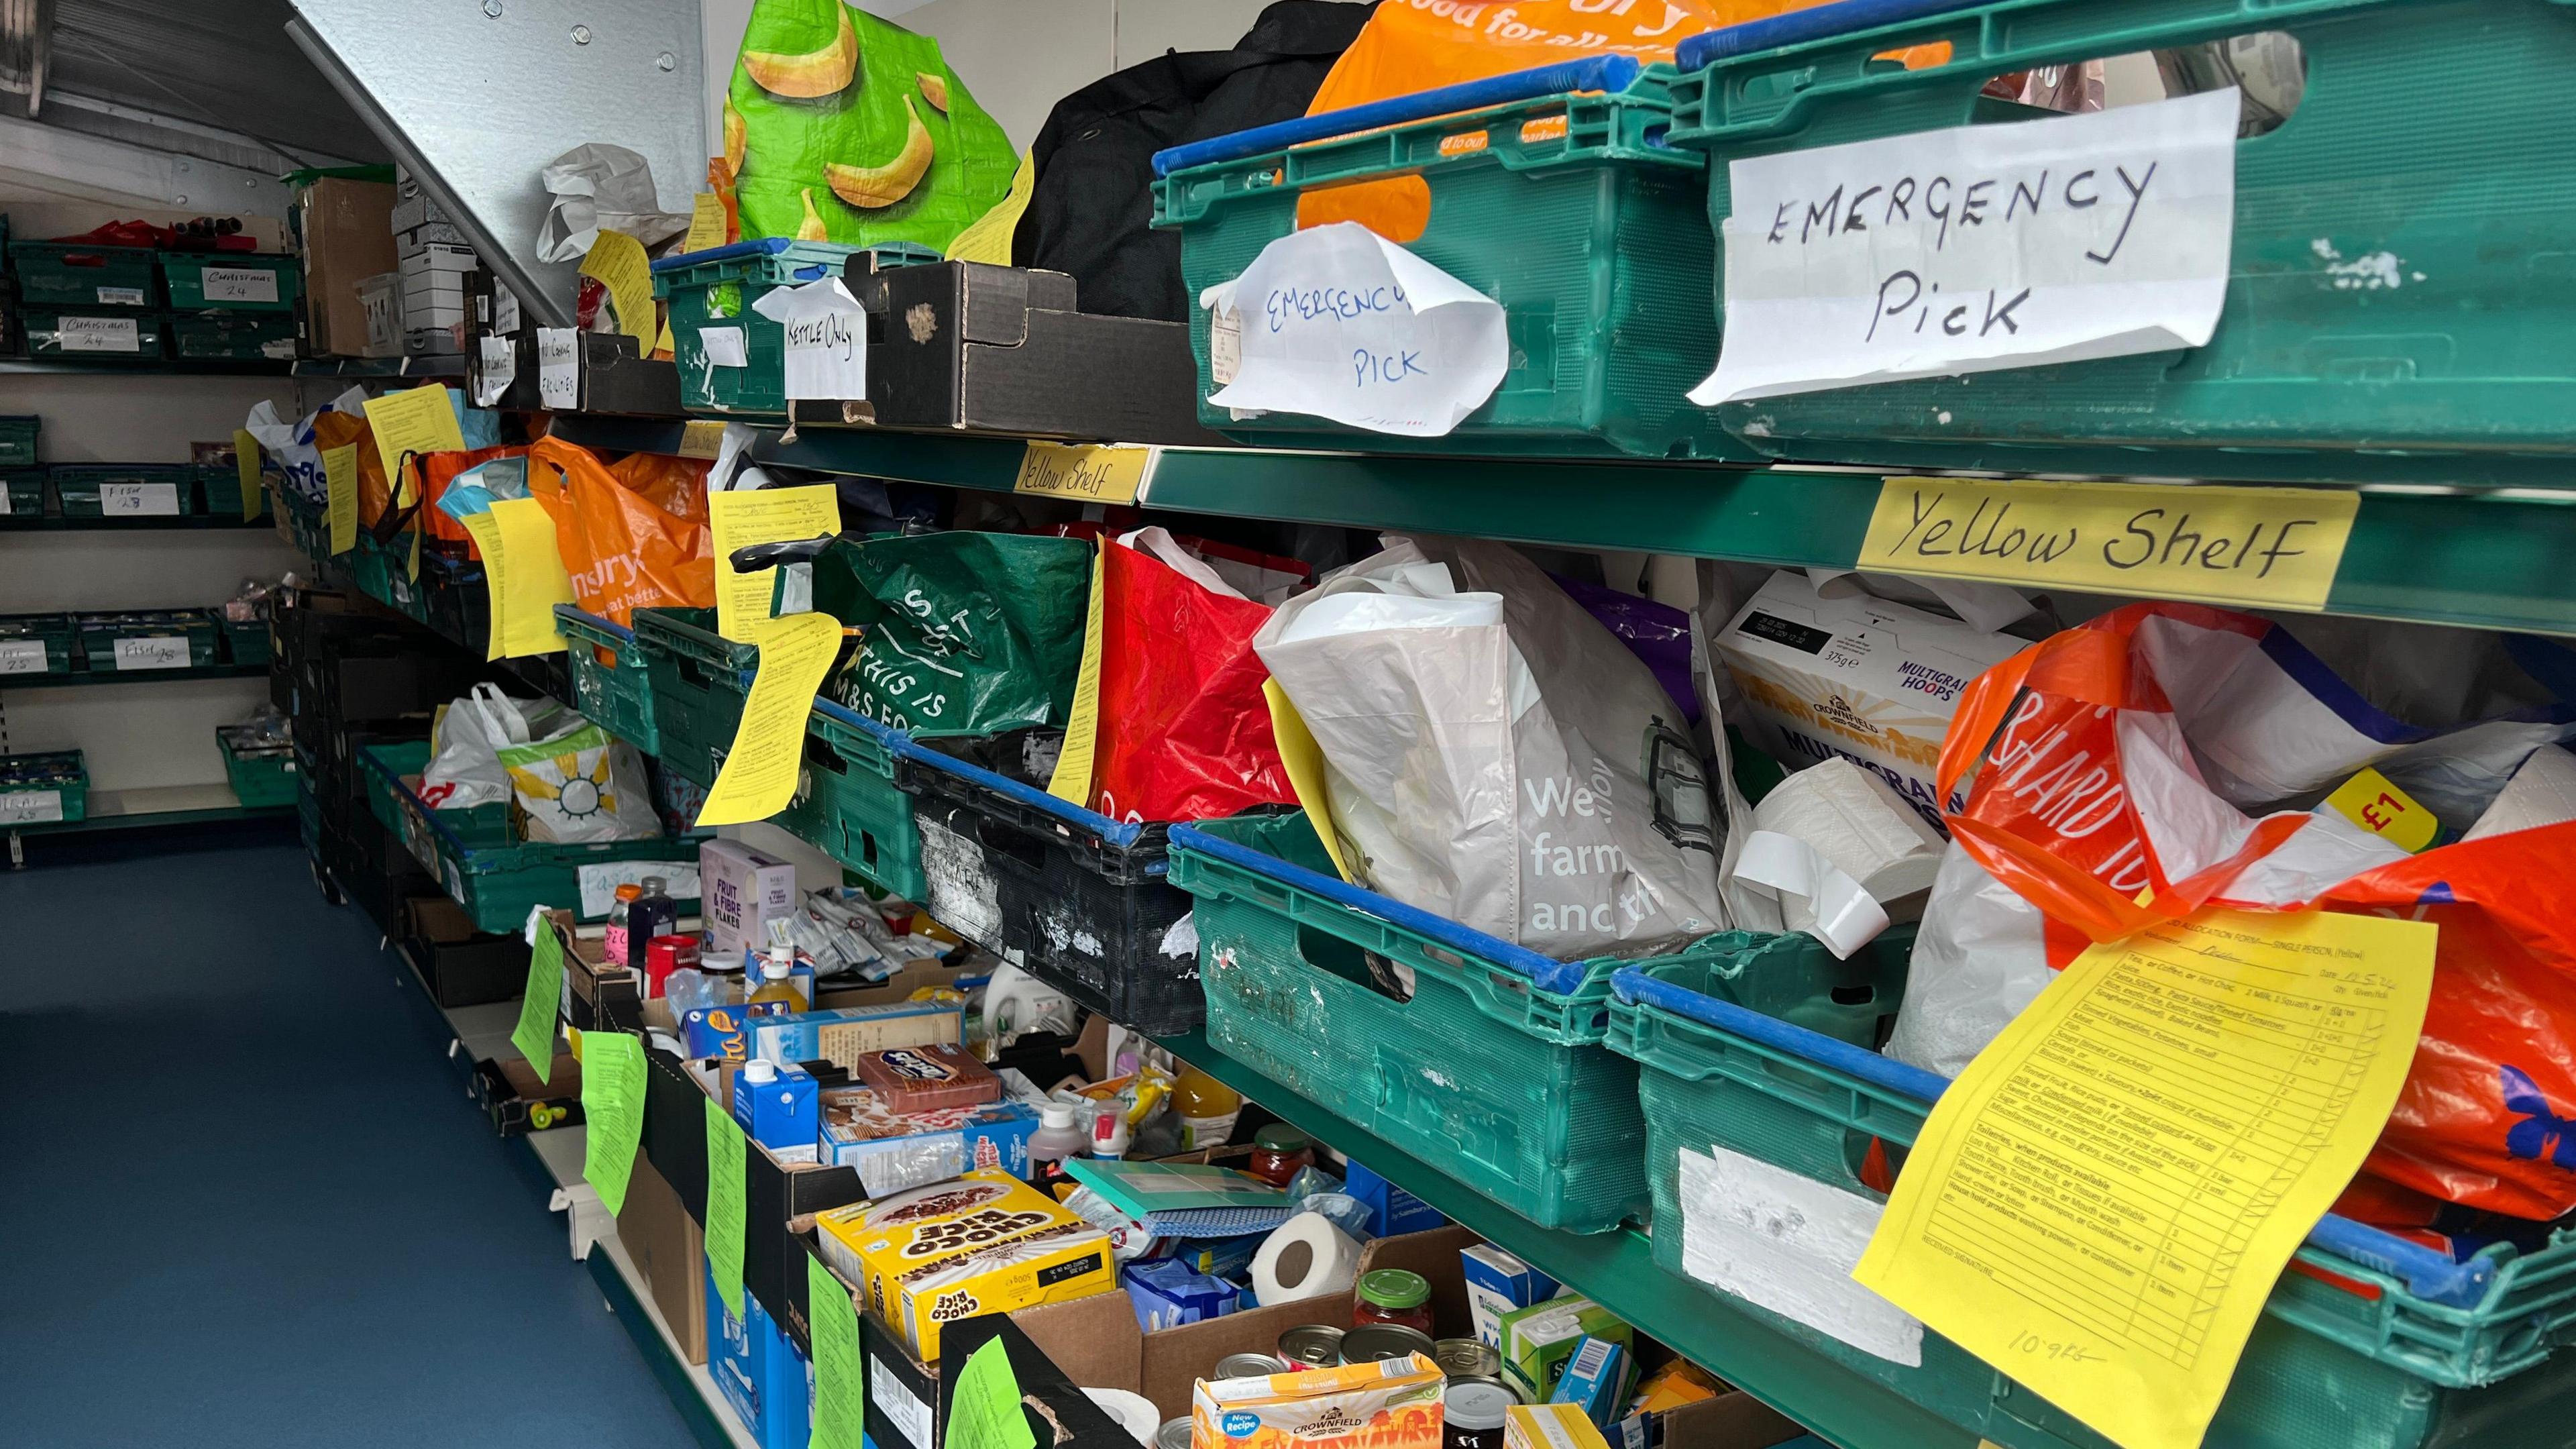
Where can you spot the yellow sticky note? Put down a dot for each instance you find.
(340, 488)
(1072, 779)
(758, 777)
(706, 223)
(246, 467)
(769, 515)
(1304, 760)
(1086, 472)
(618, 261)
(988, 237)
(2252, 547)
(664, 346)
(2099, 1205)
(523, 573)
(415, 420)
(2371, 801)
(411, 564)
(700, 438)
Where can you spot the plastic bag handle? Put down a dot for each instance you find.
(1798, 27)
(751, 558)
(1596, 73)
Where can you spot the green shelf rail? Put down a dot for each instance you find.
(197, 367)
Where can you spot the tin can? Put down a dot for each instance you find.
(1249, 1366)
(1378, 1342)
(1468, 1360)
(1311, 1346)
(1175, 1434)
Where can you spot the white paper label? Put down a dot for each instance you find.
(120, 297)
(724, 346)
(1225, 346)
(5, 505)
(1340, 323)
(505, 309)
(138, 500)
(22, 656)
(558, 370)
(496, 368)
(162, 651)
(599, 883)
(1776, 1239)
(827, 338)
(902, 1405)
(239, 284)
(30, 807)
(98, 334)
(1978, 248)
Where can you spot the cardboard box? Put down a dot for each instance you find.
(616, 377)
(347, 228)
(1732, 1420)
(1871, 681)
(1549, 1426)
(767, 1383)
(666, 1247)
(509, 1093)
(420, 258)
(841, 1035)
(1059, 1414)
(1540, 1340)
(985, 1243)
(1499, 1284)
(460, 965)
(741, 890)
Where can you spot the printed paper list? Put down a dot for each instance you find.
(2100, 1204)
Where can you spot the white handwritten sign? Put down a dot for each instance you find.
(1340, 323)
(558, 370)
(98, 334)
(496, 366)
(723, 346)
(827, 338)
(161, 651)
(22, 656)
(30, 807)
(239, 284)
(138, 500)
(1978, 248)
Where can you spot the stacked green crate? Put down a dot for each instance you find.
(35, 644)
(43, 789)
(124, 490)
(18, 439)
(22, 493)
(135, 639)
(262, 770)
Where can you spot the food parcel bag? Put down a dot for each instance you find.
(1493, 754)
(2114, 763)
(1180, 729)
(633, 535)
(466, 740)
(582, 786)
(963, 633)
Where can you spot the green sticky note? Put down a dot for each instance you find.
(984, 1411)
(612, 1100)
(535, 1036)
(840, 1371)
(725, 1211)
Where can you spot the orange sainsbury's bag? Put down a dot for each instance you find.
(2113, 764)
(632, 535)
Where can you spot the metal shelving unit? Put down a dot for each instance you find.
(182, 522)
(132, 676)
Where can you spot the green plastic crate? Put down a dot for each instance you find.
(46, 789)
(847, 804)
(100, 635)
(2378, 1364)
(18, 432)
(82, 490)
(22, 493)
(1566, 208)
(499, 883)
(219, 490)
(610, 679)
(1493, 1072)
(717, 287)
(233, 336)
(261, 775)
(393, 776)
(245, 640)
(68, 274)
(95, 334)
(51, 634)
(700, 681)
(2462, 365)
(233, 281)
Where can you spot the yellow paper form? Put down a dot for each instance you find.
(988, 237)
(618, 261)
(706, 223)
(340, 488)
(416, 420)
(246, 469)
(2100, 1204)
(758, 777)
(523, 573)
(1071, 782)
(1304, 760)
(769, 515)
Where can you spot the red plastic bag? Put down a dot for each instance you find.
(632, 537)
(2111, 760)
(1183, 732)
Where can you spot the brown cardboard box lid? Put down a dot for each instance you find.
(663, 1242)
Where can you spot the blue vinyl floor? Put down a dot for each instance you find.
(246, 1202)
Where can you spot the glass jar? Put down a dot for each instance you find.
(1393, 1295)
(1472, 1416)
(1279, 1153)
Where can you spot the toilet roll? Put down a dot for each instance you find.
(1304, 1257)
(1134, 1412)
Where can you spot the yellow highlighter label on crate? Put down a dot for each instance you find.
(1086, 472)
(758, 777)
(2101, 1202)
(340, 485)
(2275, 548)
(246, 471)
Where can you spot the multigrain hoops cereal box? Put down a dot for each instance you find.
(984, 1243)
(1391, 1405)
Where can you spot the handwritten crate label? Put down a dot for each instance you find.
(99, 334)
(558, 369)
(1086, 472)
(161, 651)
(22, 656)
(30, 807)
(496, 366)
(138, 500)
(1978, 248)
(2253, 547)
(701, 439)
(826, 335)
(239, 284)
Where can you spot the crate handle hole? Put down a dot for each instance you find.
(2269, 68)
(1395, 207)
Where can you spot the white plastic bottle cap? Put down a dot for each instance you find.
(760, 1071)
(1054, 1119)
(776, 970)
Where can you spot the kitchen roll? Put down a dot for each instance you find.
(1134, 1412)
(1304, 1257)
(1831, 848)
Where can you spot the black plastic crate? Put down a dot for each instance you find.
(1084, 901)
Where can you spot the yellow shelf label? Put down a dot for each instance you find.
(1086, 472)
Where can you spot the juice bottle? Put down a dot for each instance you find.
(774, 985)
(621, 915)
(1207, 1108)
